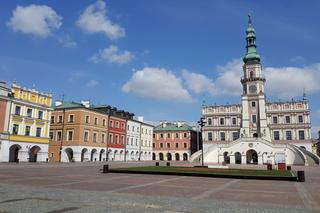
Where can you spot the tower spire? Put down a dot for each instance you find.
(251, 54)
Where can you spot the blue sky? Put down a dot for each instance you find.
(159, 59)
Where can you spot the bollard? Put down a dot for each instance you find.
(47, 160)
(157, 163)
(289, 168)
(168, 163)
(269, 166)
(301, 177)
(17, 160)
(105, 168)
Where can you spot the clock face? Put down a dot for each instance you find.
(252, 89)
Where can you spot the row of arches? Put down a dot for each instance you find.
(251, 157)
(112, 155)
(169, 156)
(15, 150)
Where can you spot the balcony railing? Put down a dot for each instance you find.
(253, 78)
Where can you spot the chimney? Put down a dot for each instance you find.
(140, 118)
(163, 123)
(58, 103)
(86, 104)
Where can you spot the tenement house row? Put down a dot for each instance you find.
(81, 132)
(32, 129)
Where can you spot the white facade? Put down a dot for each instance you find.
(146, 141)
(257, 132)
(133, 140)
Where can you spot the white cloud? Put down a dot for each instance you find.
(291, 81)
(284, 82)
(198, 83)
(94, 20)
(157, 83)
(297, 59)
(38, 20)
(67, 41)
(112, 55)
(227, 82)
(92, 83)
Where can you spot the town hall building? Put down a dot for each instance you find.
(257, 131)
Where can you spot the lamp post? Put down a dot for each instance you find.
(201, 123)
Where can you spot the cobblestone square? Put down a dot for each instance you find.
(83, 188)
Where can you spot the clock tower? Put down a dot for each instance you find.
(254, 119)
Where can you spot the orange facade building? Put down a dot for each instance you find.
(78, 133)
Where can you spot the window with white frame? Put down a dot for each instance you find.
(17, 110)
(40, 114)
(70, 135)
(59, 135)
(276, 135)
(288, 135)
(28, 128)
(87, 119)
(209, 136)
(275, 119)
(38, 131)
(71, 119)
(94, 137)
(222, 136)
(29, 112)
(301, 135)
(287, 119)
(86, 136)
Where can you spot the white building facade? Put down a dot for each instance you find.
(256, 131)
(146, 141)
(133, 140)
(26, 120)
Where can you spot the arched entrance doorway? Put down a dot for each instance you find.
(177, 156)
(185, 156)
(83, 155)
(69, 153)
(237, 157)
(115, 154)
(252, 157)
(121, 155)
(33, 153)
(14, 153)
(226, 158)
(101, 154)
(169, 156)
(153, 156)
(132, 155)
(160, 156)
(93, 153)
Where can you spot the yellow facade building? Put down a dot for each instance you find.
(25, 136)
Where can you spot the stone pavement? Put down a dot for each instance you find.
(82, 188)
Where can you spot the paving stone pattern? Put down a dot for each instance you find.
(58, 188)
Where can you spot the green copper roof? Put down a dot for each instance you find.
(172, 127)
(68, 105)
(251, 54)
